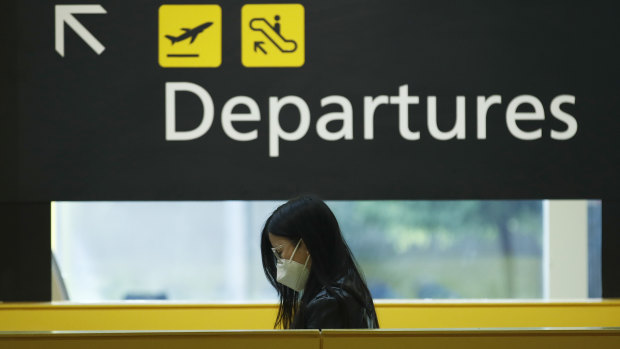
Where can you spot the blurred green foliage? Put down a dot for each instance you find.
(446, 249)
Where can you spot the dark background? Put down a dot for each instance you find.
(92, 127)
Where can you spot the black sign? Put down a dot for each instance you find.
(147, 100)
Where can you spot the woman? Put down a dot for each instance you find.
(308, 262)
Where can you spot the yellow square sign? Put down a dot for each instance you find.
(272, 35)
(190, 36)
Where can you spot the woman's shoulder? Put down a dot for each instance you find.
(323, 297)
(329, 308)
(328, 296)
(330, 293)
(335, 306)
(337, 295)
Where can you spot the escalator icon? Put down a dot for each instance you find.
(272, 32)
(272, 35)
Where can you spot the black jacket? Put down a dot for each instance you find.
(338, 306)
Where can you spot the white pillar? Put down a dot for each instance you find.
(565, 249)
(236, 260)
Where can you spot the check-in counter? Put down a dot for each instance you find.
(298, 339)
(392, 315)
(533, 338)
(565, 338)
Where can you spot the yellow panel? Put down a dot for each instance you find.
(328, 339)
(165, 316)
(474, 339)
(508, 314)
(53, 317)
(308, 339)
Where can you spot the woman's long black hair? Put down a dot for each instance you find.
(310, 219)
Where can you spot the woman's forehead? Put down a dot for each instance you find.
(277, 240)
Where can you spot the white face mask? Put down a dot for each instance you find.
(292, 274)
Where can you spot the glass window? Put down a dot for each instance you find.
(209, 251)
(447, 249)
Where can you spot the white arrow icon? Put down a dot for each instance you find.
(64, 14)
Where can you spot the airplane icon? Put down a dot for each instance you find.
(193, 33)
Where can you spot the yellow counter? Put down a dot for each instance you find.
(403, 315)
(565, 338)
(302, 339)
